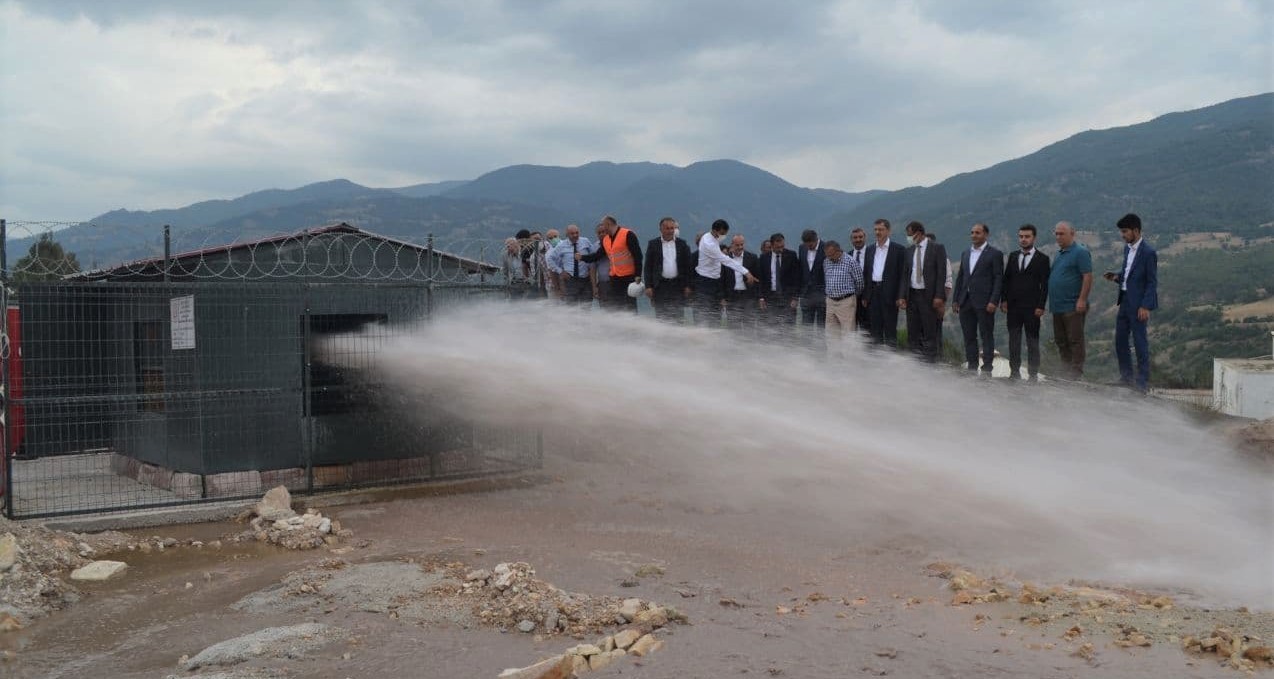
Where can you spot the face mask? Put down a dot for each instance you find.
(676, 233)
(555, 240)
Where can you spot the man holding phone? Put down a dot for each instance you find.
(1138, 296)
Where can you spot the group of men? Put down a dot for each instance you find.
(863, 288)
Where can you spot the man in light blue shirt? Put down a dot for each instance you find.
(576, 277)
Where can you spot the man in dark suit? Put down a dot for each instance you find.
(883, 274)
(1138, 296)
(741, 298)
(1025, 296)
(858, 253)
(780, 285)
(978, 289)
(813, 299)
(667, 273)
(924, 292)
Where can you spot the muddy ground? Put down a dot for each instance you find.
(787, 594)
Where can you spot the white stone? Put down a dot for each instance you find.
(97, 571)
(9, 551)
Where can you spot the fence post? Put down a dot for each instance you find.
(307, 417)
(7, 460)
(167, 251)
(429, 277)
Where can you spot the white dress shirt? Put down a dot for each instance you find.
(878, 264)
(858, 256)
(711, 259)
(670, 259)
(774, 270)
(918, 272)
(974, 255)
(1132, 254)
(739, 283)
(1024, 259)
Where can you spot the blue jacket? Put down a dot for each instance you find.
(1143, 280)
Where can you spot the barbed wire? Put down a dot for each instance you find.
(333, 252)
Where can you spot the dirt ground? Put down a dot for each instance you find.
(766, 594)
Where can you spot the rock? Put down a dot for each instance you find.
(481, 575)
(551, 620)
(579, 665)
(97, 571)
(289, 642)
(1258, 653)
(325, 526)
(629, 609)
(169, 542)
(584, 649)
(626, 638)
(8, 623)
(601, 660)
(607, 644)
(655, 617)
(961, 580)
(9, 551)
(559, 667)
(645, 646)
(526, 626)
(649, 570)
(233, 484)
(503, 577)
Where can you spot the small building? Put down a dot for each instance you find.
(1243, 387)
(216, 361)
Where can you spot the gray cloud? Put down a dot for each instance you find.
(155, 104)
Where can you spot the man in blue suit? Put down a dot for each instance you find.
(978, 293)
(1138, 296)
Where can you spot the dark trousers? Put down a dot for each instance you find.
(777, 319)
(669, 302)
(882, 316)
(922, 325)
(741, 311)
(815, 313)
(1024, 320)
(975, 321)
(577, 290)
(1126, 325)
(707, 301)
(863, 319)
(1068, 334)
(617, 298)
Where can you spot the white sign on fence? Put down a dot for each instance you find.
(182, 311)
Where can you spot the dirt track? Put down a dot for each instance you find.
(587, 527)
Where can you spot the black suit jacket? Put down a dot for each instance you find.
(812, 290)
(933, 269)
(652, 273)
(982, 285)
(789, 272)
(1026, 290)
(752, 263)
(891, 278)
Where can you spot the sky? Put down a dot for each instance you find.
(154, 104)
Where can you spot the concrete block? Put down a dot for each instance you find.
(292, 478)
(331, 475)
(154, 475)
(187, 486)
(233, 484)
(123, 465)
(389, 470)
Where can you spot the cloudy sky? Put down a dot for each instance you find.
(142, 104)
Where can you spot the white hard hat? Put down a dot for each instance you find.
(635, 289)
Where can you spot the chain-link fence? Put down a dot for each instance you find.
(223, 371)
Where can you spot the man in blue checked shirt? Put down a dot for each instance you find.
(576, 277)
(843, 279)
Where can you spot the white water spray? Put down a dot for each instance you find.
(1052, 481)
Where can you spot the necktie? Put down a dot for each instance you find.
(574, 249)
(1026, 260)
(917, 275)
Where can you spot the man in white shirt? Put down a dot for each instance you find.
(978, 292)
(667, 273)
(707, 285)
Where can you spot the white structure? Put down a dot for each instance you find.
(1244, 387)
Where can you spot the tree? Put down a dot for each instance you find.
(45, 261)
